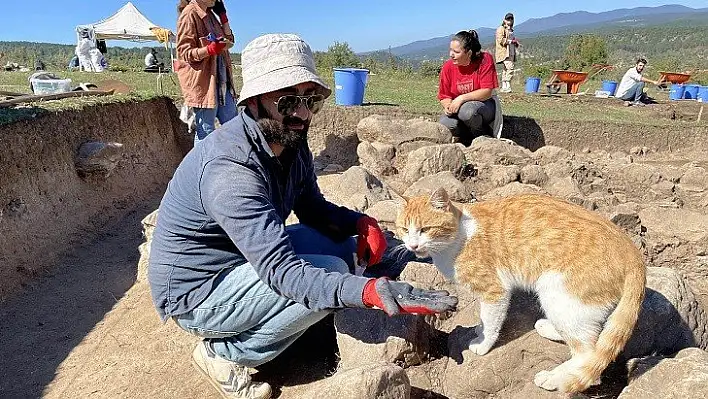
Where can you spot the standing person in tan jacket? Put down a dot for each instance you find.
(506, 45)
(205, 74)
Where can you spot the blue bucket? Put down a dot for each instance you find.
(533, 84)
(691, 92)
(703, 94)
(609, 86)
(676, 91)
(349, 85)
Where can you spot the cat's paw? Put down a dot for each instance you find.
(480, 346)
(545, 328)
(547, 380)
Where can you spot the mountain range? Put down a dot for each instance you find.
(559, 24)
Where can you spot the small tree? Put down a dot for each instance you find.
(371, 64)
(585, 50)
(339, 55)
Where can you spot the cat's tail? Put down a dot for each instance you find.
(616, 332)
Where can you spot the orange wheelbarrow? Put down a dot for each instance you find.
(572, 79)
(674, 77)
(668, 78)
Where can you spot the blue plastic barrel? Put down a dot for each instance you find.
(533, 84)
(676, 91)
(349, 85)
(609, 86)
(703, 94)
(691, 92)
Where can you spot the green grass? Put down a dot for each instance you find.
(418, 94)
(142, 83)
(413, 93)
(144, 86)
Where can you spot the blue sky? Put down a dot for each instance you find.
(364, 24)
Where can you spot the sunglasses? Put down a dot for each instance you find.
(287, 105)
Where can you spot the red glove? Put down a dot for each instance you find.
(397, 297)
(216, 47)
(220, 10)
(371, 243)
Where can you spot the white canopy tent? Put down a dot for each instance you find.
(130, 24)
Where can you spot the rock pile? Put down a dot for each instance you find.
(662, 206)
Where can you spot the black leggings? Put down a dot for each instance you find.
(471, 120)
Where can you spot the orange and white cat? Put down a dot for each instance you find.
(588, 275)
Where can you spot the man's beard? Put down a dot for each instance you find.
(278, 132)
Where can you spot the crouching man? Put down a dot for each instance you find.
(631, 87)
(223, 264)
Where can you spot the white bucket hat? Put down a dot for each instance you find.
(276, 61)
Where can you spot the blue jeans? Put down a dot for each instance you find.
(635, 93)
(244, 321)
(205, 118)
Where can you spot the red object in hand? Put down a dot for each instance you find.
(398, 297)
(371, 243)
(216, 47)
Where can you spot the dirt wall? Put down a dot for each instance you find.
(47, 208)
(333, 135)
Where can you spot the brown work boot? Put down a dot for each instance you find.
(232, 380)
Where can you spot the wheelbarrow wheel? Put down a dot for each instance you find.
(553, 89)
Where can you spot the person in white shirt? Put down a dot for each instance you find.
(631, 88)
(151, 62)
(150, 58)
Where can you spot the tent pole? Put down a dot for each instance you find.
(172, 57)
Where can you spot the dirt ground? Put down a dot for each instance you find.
(665, 127)
(86, 329)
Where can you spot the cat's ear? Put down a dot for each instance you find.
(401, 203)
(439, 199)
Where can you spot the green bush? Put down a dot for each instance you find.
(583, 51)
(338, 55)
(371, 64)
(536, 70)
(669, 63)
(118, 67)
(430, 68)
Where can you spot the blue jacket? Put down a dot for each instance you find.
(225, 206)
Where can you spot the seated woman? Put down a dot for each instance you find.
(467, 83)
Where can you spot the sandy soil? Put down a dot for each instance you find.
(88, 331)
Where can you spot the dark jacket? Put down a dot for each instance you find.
(226, 205)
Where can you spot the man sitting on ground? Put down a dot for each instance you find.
(631, 88)
(151, 63)
(224, 266)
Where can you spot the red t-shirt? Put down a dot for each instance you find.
(456, 80)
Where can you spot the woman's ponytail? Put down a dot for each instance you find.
(469, 40)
